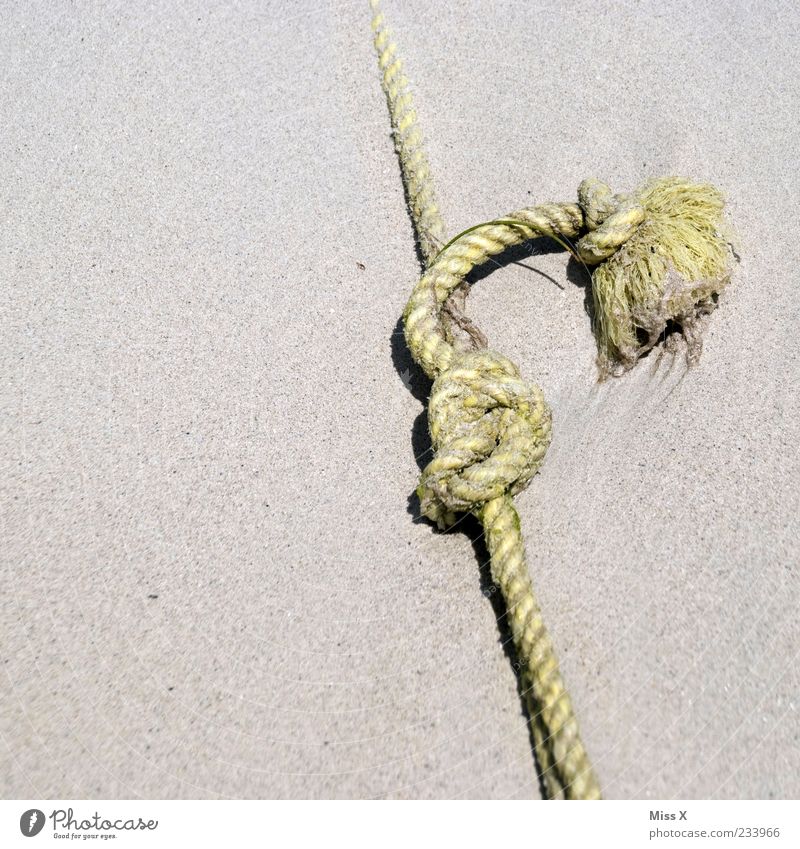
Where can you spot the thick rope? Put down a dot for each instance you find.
(420, 191)
(490, 428)
(659, 257)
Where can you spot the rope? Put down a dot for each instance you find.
(420, 192)
(490, 428)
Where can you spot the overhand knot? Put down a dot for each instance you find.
(490, 430)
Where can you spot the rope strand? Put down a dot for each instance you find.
(431, 318)
(420, 191)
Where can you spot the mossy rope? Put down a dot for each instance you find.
(660, 255)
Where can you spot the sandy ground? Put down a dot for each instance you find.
(214, 581)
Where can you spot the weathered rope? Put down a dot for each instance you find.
(490, 430)
(660, 257)
(420, 191)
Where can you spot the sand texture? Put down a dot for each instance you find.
(215, 580)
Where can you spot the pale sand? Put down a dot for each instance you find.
(201, 404)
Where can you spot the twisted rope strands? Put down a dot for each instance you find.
(427, 338)
(490, 428)
(420, 191)
(563, 760)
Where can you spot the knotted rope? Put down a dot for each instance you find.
(660, 257)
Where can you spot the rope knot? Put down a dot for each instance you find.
(490, 430)
(611, 220)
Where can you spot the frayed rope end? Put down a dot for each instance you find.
(664, 256)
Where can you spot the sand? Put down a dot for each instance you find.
(215, 583)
